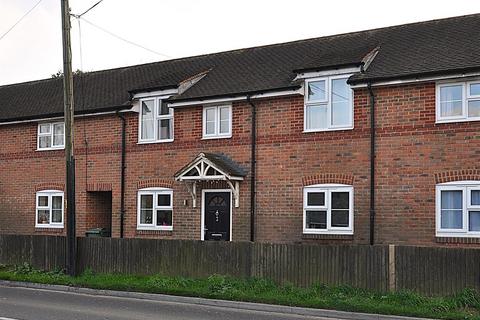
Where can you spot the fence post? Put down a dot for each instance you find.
(392, 283)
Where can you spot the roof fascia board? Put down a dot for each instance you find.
(61, 117)
(141, 95)
(332, 72)
(239, 98)
(418, 80)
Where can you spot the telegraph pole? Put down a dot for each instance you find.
(71, 253)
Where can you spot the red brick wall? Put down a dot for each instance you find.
(413, 153)
(288, 159)
(24, 171)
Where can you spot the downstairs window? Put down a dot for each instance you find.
(49, 209)
(458, 209)
(155, 209)
(328, 209)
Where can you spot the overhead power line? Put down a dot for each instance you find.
(96, 4)
(20, 20)
(121, 38)
(78, 16)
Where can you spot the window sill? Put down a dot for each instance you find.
(330, 232)
(48, 226)
(327, 130)
(50, 149)
(459, 120)
(457, 235)
(156, 141)
(216, 137)
(154, 229)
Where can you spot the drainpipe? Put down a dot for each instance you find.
(253, 162)
(372, 164)
(122, 179)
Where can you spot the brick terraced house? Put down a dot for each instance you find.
(365, 137)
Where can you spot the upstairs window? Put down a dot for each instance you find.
(458, 209)
(49, 209)
(328, 209)
(217, 122)
(155, 209)
(458, 101)
(51, 136)
(156, 121)
(328, 104)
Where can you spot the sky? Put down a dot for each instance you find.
(181, 28)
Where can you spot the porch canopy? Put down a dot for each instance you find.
(211, 167)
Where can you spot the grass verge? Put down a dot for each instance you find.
(464, 305)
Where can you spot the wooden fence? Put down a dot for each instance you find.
(428, 270)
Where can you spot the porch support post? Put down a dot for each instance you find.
(193, 192)
(236, 192)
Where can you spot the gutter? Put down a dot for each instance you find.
(253, 164)
(234, 96)
(56, 116)
(415, 77)
(372, 164)
(122, 174)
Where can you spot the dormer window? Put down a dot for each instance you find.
(156, 121)
(328, 104)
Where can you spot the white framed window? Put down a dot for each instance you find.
(49, 209)
(217, 121)
(51, 136)
(328, 209)
(458, 209)
(155, 209)
(156, 121)
(458, 101)
(328, 104)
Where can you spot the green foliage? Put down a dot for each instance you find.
(25, 269)
(218, 284)
(169, 283)
(468, 298)
(464, 305)
(88, 273)
(259, 285)
(59, 73)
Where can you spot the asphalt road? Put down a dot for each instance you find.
(38, 304)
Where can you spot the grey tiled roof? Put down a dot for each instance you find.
(226, 164)
(432, 47)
